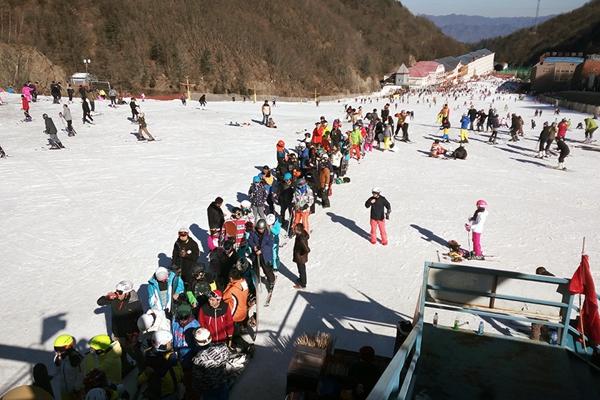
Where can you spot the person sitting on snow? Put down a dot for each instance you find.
(436, 149)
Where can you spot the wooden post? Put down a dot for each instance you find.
(187, 87)
(254, 90)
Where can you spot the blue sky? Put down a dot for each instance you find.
(491, 8)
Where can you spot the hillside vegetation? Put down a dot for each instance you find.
(578, 30)
(288, 47)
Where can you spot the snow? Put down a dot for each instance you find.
(77, 221)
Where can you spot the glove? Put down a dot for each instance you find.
(468, 227)
(387, 216)
(305, 207)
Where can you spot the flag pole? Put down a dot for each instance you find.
(581, 306)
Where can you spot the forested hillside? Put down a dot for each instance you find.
(576, 31)
(287, 47)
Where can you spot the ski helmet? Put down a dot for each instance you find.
(64, 342)
(256, 179)
(124, 286)
(481, 204)
(376, 190)
(96, 394)
(146, 321)
(100, 343)
(261, 224)
(302, 182)
(246, 204)
(161, 340)
(287, 176)
(202, 336)
(270, 219)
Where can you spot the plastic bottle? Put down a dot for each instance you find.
(553, 337)
(435, 319)
(480, 329)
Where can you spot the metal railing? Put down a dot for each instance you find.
(399, 377)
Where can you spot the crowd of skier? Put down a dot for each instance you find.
(192, 333)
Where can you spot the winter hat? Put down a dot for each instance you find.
(245, 204)
(124, 286)
(202, 336)
(145, 321)
(256, 179)
(216, 294)
(376, 190)
(184, 311)
(161, 274)
(270, 219)
(184, 229)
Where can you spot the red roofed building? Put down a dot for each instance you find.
(425, 73)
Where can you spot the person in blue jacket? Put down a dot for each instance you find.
(183, 328)
(275, 228)
(261, 245)
(163, 288)
(464, 126)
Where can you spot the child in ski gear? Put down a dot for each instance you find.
(436, 149)
(303, 199)
(446, 129)
(25, 108)
(105, 354)
(380, 211)
(475, 225)
(258, 197)
(464, 125)
(182, 329)
(300, 257)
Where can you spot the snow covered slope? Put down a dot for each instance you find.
(76, 221)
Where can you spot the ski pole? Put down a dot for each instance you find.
(469, 242)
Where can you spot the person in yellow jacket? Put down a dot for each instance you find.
(590, 126)
(105, 355)
(355, 142)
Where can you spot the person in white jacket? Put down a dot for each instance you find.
(475, 226)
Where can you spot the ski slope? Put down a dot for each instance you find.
(74, 222)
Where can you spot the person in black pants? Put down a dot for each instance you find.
(70, 92)
(86, 112)
(564, 152)
(301, 251)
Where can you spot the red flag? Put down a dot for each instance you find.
(582, 282)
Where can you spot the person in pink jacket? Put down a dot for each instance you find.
(26, 91)
(562, 129)
(475, 226)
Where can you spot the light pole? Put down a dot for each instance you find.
(86, 61)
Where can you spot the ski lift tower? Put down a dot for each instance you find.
(537, 15)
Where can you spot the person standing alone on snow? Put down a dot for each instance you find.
(475, 226)
(301, 251)
(266, 112)
(380, 211)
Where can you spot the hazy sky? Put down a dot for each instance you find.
(491, 8)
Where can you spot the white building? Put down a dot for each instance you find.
(425, 73)
(478, 62)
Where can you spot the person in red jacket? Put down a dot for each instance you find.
(25, 108)
(216, 317)
(562, 129)
(317, 135)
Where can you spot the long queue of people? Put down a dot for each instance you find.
(192, 334)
